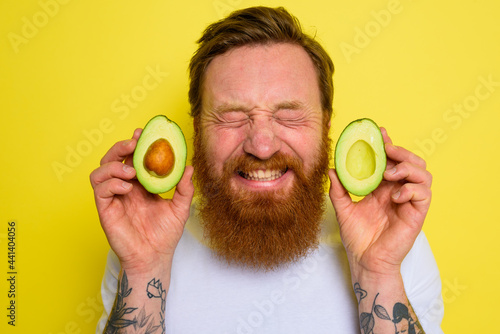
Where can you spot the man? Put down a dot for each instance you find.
(259, 254)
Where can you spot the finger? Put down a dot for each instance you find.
(137, 133)
(387, 140)
(390, 164)
(406, 171)
(386, 137)
(338, 194)
(184, 192)
(111, 170)
(418, 194)
(119, 151)
(128, 159)
(400, 154)
(105, 191)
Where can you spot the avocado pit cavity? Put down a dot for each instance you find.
(360, 160)
(159, 159)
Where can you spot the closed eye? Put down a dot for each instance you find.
(233, 118)
(290, 116)
(290, 111)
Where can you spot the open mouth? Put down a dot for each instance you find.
(263, 175)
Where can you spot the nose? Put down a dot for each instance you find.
(261, 140)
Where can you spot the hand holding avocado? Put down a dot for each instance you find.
(143, 229)
(379, 230)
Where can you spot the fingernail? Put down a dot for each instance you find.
(126, 185)
(392, 170)
(128, 169)
(396, 195)
(126, 142)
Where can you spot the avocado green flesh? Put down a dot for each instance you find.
(360, 158)
(160, 127)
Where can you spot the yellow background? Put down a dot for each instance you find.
(66, 68)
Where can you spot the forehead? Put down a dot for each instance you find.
(264, 73)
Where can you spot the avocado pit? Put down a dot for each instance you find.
(159, 158)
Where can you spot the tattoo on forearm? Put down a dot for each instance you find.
(155, 290)
(357, 290)
(116, 319)
(141, 323)
(401, 317)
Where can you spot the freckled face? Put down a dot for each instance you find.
(258, 101)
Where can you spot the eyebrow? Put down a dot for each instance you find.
(291, 105)
(228, 107)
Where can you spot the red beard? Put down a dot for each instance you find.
(264, 229)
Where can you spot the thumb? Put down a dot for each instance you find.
(338, 194)
(183, 194)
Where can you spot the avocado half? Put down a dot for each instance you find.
(360, 158)
(160, 155)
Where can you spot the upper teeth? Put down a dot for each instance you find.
(262, 175)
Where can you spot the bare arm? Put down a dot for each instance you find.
(383, 305)
(139, 305)
(143, 230)
(378, 232)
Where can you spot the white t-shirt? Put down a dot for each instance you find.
(314, 295)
